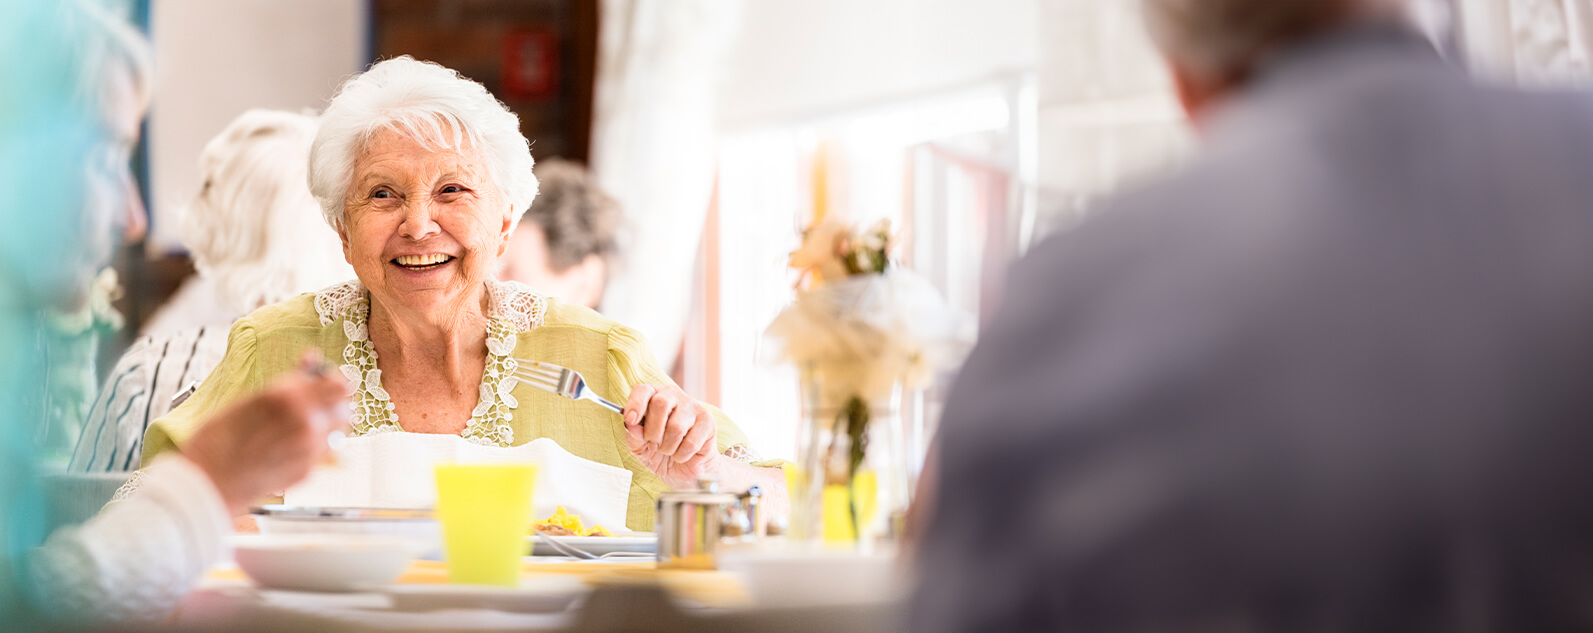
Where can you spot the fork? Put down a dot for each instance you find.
(560, 380)
(565, 548)
(571, 551)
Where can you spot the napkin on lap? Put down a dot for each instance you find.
(394, 470)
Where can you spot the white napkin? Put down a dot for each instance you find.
(394, 470)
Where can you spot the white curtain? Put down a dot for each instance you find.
(1552, 39)
(1531, 42)
(653, 142)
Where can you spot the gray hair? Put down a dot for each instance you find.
(254, 229)
(435, 106)
(576, 217)
(1217, 38)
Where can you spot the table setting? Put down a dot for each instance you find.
(405, 531)
(370, 569)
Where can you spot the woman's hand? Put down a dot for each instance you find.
(271, 440)
(671, 434)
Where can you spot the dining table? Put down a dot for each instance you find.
(554, 594)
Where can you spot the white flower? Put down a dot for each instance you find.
(867, 332)
(500, 346)
(373, 384)
(506, 392)
(352, 373)
(355, 331)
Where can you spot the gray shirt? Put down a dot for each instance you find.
(1336, 374)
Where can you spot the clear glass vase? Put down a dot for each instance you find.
(851, 487)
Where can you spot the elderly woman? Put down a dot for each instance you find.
(423, 174)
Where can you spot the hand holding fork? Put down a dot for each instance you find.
(667, 430)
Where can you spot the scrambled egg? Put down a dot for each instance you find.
(562, 523)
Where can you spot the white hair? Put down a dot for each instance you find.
(426, 102)
(254, 229)
(1218, 38)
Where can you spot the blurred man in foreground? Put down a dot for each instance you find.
(1333, 376)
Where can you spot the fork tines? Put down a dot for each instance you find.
(541, 374)
(560, 380)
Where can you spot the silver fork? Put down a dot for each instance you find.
(565, 548)
(571, 551)
(560, 380)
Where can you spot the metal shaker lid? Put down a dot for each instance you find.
(707, 493)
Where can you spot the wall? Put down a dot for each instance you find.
(1107, 112)
(816, 57)
(218, 59)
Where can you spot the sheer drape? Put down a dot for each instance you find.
(1530, 42)
(653, 150)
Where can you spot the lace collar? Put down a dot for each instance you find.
(512, 309)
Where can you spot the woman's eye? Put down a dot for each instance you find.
(382, 194)
(452, 189)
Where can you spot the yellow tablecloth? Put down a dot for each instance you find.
(706, 588)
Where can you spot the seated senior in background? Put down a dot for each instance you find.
(423, 175)
(565, 244)
(257, 237)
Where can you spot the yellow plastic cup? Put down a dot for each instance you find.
(484, 510)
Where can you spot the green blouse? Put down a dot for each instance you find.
(522, 324)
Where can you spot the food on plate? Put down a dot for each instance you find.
(562, 523)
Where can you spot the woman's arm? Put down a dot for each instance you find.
(676, 437)
(736, 475)
(142, 553)
(237, 376)
(136, 560)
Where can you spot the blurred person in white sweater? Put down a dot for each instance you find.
(76, 86)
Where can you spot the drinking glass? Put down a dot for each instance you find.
(484, 510)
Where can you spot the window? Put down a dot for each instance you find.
(947, 170)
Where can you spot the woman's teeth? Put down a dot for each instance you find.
(422, 261)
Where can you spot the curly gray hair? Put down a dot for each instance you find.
(431, 104)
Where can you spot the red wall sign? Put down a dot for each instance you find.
(531, 63)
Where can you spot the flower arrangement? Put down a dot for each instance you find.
(860, 329)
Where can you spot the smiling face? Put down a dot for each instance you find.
(423, 228)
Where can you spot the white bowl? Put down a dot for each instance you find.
(324, 562)
(353, 521)
(808, 578)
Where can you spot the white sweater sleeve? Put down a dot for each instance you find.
(139, 557)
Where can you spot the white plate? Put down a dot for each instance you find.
(643, 542)
(546, 593)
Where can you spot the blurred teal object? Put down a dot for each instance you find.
(48, 140)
